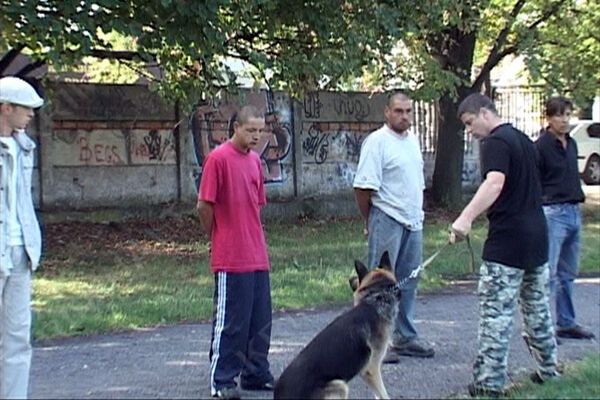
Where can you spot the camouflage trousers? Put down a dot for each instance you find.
(500, 288)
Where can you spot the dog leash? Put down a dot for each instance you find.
(471, 252)
(415, 272)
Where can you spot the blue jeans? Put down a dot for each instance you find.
(564, 243)
(405, 248)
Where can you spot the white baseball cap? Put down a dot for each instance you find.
(16, 91)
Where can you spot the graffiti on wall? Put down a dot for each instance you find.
(212, 125)
(352, 106)
(333, 129)
(109, 147)
(77, 147)
(316, 144)
(95, 151)
(312, 106)
(345, 145)
(152, 147)
(345, 106)
(333, 142)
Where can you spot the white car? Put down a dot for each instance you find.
(587, 135)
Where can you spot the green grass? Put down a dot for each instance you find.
(85, 291)
(104, 298)
(590, 244)
(580, 380)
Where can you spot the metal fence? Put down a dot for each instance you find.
(425, 125)
(523, 106)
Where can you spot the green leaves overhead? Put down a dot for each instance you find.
(567, 56)
(295, 43)
(428, 46)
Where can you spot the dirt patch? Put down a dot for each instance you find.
(70, 242)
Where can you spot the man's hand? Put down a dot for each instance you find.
(206, 215)
(459, 230)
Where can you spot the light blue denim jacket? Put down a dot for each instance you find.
(25, 212)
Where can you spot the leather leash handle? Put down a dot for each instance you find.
(471, 252)
(467, 238)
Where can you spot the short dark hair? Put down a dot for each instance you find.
(400, 94)
(246, 113)
(473, 103)
(557, 106)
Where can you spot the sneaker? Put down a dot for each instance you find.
(478, 391)
(414, 348)
(264, 386)
(575, 332)
(228, 393)
(391, 357)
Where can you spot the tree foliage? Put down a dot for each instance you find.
(567, 57)
(295, 46)
(439, 49)
(452, 45)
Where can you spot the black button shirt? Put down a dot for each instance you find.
(558, 170)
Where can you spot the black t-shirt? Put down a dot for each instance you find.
(517, 234)
(558, 170)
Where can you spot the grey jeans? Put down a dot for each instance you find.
(15, 327)
(405, 248)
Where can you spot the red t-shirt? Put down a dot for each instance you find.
(233, 182)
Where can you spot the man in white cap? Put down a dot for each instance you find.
(20, 237)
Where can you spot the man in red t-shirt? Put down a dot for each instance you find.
(231, 194)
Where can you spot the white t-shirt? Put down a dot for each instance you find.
(10, 193)
(392, 166)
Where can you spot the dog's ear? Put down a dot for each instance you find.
(353, 283)
(385, 261)
(361, 270)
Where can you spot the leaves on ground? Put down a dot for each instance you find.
(78, 242)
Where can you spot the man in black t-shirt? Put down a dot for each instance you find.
(515, 251)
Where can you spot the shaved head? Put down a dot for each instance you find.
(248, 112)
(398, 95)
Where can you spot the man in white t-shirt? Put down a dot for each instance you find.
(20, 237)
(389, 186)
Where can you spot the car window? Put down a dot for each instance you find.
(594, 130)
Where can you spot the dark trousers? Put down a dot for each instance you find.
(241, 332)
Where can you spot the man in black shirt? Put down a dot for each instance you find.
(515, 251)
(561, 194)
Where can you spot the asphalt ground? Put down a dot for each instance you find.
(172, 361)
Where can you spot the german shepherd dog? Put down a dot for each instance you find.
(353, 344)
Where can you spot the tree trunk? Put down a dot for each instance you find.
(447, 174)
(586, 110)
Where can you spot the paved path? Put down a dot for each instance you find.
(172, 362)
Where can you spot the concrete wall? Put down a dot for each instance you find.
(121, 146)
(211, 125)
(332, 127)
(107, 146)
